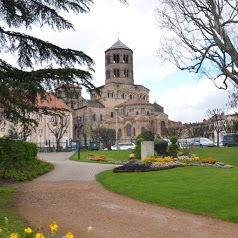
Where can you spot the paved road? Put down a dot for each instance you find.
(67, 170)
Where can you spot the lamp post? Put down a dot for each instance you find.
(40, 143)
(116, 109)
(78, 121)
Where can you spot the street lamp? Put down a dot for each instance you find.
(116, 109)
(78, 121)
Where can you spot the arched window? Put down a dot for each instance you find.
(125, 59)
(116, 58)
(116, 73)
(128, 130)
(130, 96)
(94, 117)
(143, 129)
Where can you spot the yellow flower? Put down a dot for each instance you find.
(69, 235)
(53, 226)
(39, 235)
(14, 235)
(28, 230)
(0, 229)
(90, 231)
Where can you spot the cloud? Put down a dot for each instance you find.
(189, 103)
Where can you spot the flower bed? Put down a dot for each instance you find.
(156, 164)
(29, 233)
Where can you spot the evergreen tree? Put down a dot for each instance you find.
(21, 83)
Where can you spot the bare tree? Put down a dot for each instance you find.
(198, 129)
(201, 37)
(58, 127)
(105, 135)
(218, 120)
(172, 130)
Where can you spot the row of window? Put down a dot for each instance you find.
(125, 96)
(116, 58)
(117, 73)
(53, 118)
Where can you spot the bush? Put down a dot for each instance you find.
(161, 146)
(173, 147)
(138, 148)
(13, 151)
(147, 135)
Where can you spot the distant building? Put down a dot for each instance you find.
(120, 104)
(42, 135)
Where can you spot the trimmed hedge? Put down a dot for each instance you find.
(14, 151)
(20, 150)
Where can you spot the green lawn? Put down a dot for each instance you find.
(200, 190)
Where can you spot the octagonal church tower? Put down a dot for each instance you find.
(119, 64)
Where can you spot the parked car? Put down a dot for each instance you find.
(230, 140)
(196, 142)
(123, 146)
(202, 142)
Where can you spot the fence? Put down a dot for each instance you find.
(50, 146)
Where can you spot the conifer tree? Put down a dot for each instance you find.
(21, 83)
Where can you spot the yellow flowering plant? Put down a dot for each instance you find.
(29, 233)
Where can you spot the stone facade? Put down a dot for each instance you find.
(120, 104)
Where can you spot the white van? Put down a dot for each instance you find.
(123, 146)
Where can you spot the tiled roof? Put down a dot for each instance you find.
(94, 103)
(119, 45)
(134, 102)
(52, 102)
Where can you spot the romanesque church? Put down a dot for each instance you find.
(121, 104)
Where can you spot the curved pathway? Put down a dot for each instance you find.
(70, 196)
(67, 170)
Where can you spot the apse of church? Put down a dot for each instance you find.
(121, 104)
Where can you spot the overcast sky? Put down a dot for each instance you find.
(184, 97)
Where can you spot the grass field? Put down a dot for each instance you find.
(201, 190)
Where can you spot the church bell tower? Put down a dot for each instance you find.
(119, 64)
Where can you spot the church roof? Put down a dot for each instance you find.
(118, 45)
(134, 102)
(94, 103)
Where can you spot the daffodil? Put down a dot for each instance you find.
(28, 230)
(53, 226)
(90, 231)
(69, 235)
(14, 235)
(39, 235)
(0, 229)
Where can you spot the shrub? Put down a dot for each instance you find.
(138, 148)
(13, 151)
(147, 135)
(161, 146)
(173, 147)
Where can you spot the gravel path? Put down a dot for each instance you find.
(70, 196)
